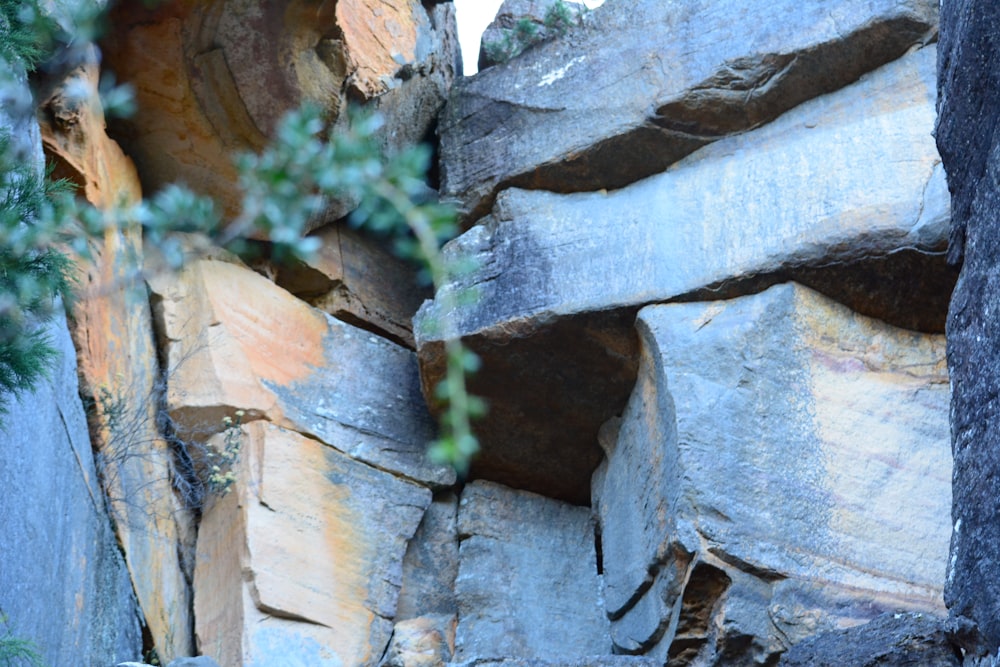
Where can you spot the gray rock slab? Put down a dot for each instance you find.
(63, 582)
(431, 563)
(846, 180)
(890, 640)
(527, 583)
(967, 138)
(642, 84)
(350, 388)
(780, 438)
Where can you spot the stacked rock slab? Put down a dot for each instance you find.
(233, 340)
(642, 84)
(967, 137)
(848, 179)
(782, 468)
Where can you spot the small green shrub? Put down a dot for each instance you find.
(17, 651)
(559, 18)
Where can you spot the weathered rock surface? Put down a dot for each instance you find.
(851, 178)
(358, 281)
(782, 468)
(431, 563)
(890, 640)
(112, 329)
(527, 565)
(63, 582)
(213, 78)
(236, 341)
(645, 83)
(304, 559)
(967, 138)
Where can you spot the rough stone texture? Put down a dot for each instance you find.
(890, 640)
(302, 563)
(235, 341)
(968, 140)
(426, 641)
(644, 83)
(63, 582)
(527, 565)
(112, 329)
(782, 468)
(358, 281)
(849, 179)
(431, 563)
(213, 78)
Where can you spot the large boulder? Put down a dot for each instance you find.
(233, 340)
(782, 468)
(845, 192)
(213, 78)
(642, 84)
(302, 562)
(527, 585)
(966, 135)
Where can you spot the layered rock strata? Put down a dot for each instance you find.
(642, 84)
(835, 192)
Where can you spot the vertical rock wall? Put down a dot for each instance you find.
(709, 247)
(968, 140)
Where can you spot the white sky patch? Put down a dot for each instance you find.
(473, 17)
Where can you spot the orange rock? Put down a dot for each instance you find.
(213, 78)
(304, 557)
(112, 330)
(236, 341)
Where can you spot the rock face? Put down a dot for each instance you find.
(780, 469)
(526, 565)
(227, 332)
(645, 83)
(63, 583)
(113, 332)
(560, 277)
(966, 135)
(213, 78)
(304, 558)
(709, 293)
